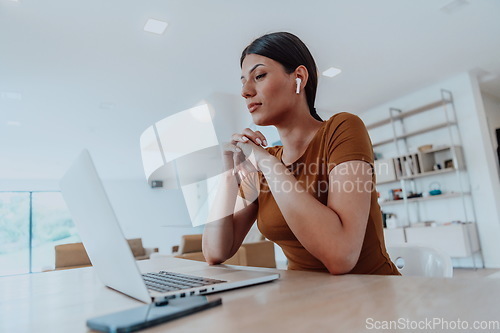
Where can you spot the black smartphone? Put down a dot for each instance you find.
(150, 315)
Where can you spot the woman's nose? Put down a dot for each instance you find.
(247, 90)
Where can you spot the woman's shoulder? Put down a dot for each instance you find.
(343, 121)
(343, 117)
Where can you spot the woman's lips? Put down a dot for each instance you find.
(254, 106)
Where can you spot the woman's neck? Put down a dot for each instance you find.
(296, 133)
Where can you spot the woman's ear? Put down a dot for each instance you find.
(302, 73)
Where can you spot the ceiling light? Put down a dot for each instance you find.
(155, 26)
(107, 106)
(332, 71)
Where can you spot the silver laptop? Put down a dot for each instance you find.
(112, 257)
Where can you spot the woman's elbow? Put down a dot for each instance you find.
(212, 259)
(214, 254)
(341, 264)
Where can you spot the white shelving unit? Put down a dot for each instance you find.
(408, 167)
(431, 197)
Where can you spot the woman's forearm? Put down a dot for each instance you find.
(322, 234)
(218, 236)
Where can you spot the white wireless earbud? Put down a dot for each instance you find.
(299, 81)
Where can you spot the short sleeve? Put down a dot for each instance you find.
(347, 140)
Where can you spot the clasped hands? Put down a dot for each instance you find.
(245, 151)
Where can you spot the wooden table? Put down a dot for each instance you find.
(62, 301)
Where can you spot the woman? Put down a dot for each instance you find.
(314, 195)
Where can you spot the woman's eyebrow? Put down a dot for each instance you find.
(250, 71)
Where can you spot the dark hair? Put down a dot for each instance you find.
(290, 52)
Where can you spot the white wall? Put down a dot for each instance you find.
(477, 147)
(484, 177)
(492, 109)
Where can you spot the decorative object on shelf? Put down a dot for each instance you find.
(385, 171)
(435, 189)
(448, 164)
(424, 224)
(424, 148)
(453, 222)
(396, 194)
(391, 221)
(384, 219)
(412, 195)
(436, 167)
(380, 199)
(377, 156)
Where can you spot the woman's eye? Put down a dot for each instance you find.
(260, 76)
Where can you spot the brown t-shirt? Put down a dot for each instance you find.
(340, 139)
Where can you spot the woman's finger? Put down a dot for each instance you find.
(257, 137)
(228, 147)
(262, 137)
(246, 148)
(238, 137)
(248, 135)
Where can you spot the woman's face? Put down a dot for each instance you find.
(269, 91)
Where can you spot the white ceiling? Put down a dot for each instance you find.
(85, 74)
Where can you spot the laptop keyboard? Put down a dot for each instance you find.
(168, 281)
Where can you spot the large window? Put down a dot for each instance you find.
(14, 232)
(31, 225)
